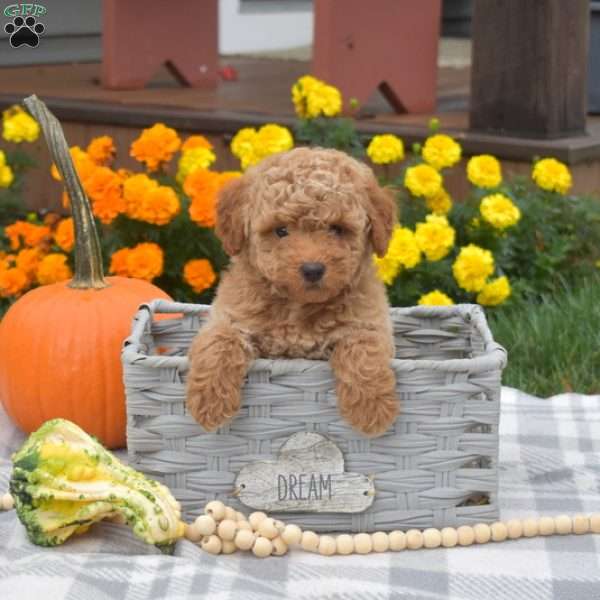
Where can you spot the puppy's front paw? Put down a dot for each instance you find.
(372, 412)
(212, 405)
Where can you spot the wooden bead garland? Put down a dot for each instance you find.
(7, 502)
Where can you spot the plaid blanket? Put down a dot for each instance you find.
(550, 464)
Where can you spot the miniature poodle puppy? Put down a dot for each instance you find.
(301, 228)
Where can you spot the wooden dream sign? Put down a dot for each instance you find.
(308, 476)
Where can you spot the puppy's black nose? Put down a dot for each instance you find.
(312, 271)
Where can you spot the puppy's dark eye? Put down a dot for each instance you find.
(281, 232)
(337, 229)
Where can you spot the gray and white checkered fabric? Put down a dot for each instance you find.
(550, 464)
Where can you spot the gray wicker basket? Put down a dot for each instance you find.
(436, 467)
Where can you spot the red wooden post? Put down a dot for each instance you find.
(392, 45)
(139, 36)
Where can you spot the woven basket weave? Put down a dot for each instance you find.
(436, 467)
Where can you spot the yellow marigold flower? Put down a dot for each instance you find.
(472, 267)
(423, 180)
(19, 126)
(84, 165)
(196, 141)
(118, 262)
(199, 274)
(6, 176)
(53, 268)
(499, 211)
(314, 98)
(156, 145)
(195, 158)
(385, 149)
(441, 151)
(435, 298)
(28, 234)
(484, 171)
(101, 150)
(495, 292)
(552, 175)
(387, 268)
(28, 261)
(440, 203)
(105, 189)
(12, 282)
(271, 139)
(145, 261)
(403, 247)
(64, 235)
(243, 141)
(435, 237)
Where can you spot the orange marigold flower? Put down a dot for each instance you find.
(64, 235)
(28, 261)
(101, 150)
(12, 282)
(53, 268)
(196, 141)
(199, 274)
(28, 234)
(124, 174)
(105, 190)
(202, 187)
(145, 200)
(145, 261)
(118, 262)
(155, 145)
(84, 165)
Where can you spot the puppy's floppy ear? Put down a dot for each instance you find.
(382, 210)
(230, 227)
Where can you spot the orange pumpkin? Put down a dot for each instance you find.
(60, 344)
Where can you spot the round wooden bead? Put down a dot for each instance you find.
(7, 502)
(380, 541)
(397, 540)
(546, 526)
(595, 523)
(466, 535)
(205, 525)
(482, 532)
(414, 539)
(268, 529)
(279, 546)
(499, 531)
(581, 524)
(280, 525)
(514, 527)
(244, 525)
(227, 529)
(192, 533)
(362, 543)
(530, 528)
(449, 537)
(344, 544)
(212, 544)
(309, 541)
(240, 517)
(228, 547)
(216, 509)
(262, 547)
(563, 524)
(255, 518)
(244, 539)
(230, 513)
(432, 538)
(327, 545)
(291, 535)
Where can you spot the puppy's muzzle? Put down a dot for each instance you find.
(312, 271)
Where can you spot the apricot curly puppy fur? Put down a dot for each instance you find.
(301, 228)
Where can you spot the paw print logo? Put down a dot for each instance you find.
(24, 32)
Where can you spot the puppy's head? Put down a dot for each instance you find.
(307, 220)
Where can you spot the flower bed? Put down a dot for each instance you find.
(508, 238)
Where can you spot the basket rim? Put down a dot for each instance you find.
(494, 357)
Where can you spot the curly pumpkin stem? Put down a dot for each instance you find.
(88, 257)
